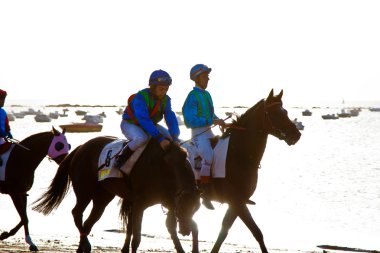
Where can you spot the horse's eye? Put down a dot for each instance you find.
(59, 146)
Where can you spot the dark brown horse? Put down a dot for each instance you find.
(157, 178)
(23, 160)
(247, 141)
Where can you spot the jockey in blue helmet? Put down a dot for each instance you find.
(199, 115)
(144, 110)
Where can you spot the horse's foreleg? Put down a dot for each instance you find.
(228, 220)
(20, 202)
(194, 233)
(246, 217)
(171, 225)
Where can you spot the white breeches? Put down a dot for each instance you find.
(137, 136)
(201, 138)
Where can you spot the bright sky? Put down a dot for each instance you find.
(100, 52)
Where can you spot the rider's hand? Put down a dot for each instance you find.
(219, 122)
(164, 144)
(8, 136)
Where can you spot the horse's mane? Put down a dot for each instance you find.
(36, 136)
(242, 119)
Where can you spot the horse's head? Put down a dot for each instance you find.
(59, 147)
(187, 203)
(187, 197)
(277, 121)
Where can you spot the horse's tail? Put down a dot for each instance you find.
(125, 210)
(58, 188)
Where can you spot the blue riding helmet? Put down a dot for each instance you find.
(197, 70)
(160, 77)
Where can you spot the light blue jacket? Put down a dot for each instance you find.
(141, 113)
(198, 109)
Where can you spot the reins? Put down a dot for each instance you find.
(208, 128)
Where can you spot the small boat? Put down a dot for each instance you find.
(329, 116)
(80, 112)
(374, 109)
(82, 127)
(19, 115)
(64, 114)
(344, 114)
(54, 115)
(41, 117)
(120, 111)
(93, 119)
(354, 112)
(11, 117)
(307, 113)
(298, 124)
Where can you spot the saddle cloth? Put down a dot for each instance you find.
(218, 167)
(109, 154)
(4, 157)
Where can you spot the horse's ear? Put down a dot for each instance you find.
(280, 94)
(270, 95)
(63, 130)
(55, 131)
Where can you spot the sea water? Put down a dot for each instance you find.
(323, 190)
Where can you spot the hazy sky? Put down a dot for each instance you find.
(100, 52)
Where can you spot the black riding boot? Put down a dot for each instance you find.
(205, 188)
(122, 158)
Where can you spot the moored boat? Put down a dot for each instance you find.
(82, 127)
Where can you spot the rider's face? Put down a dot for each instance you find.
(203, 80)
(160, 91)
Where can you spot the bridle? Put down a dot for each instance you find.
(268, 124)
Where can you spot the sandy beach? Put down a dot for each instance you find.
(110, 242)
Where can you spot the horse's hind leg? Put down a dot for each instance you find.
(77, 213)
(99, 205)
(228, 220)
(128, 236)
(171, 225)
(20, 202)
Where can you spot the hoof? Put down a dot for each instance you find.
(4, 236)
(33, 248)
(85, 245)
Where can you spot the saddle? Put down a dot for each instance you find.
(220, 146)
(109, 154)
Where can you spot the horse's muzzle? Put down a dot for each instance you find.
(184, 228)
(293, 139)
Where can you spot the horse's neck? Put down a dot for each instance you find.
(38, 146)
(250, 143)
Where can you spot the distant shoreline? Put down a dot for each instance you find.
(66, 105)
